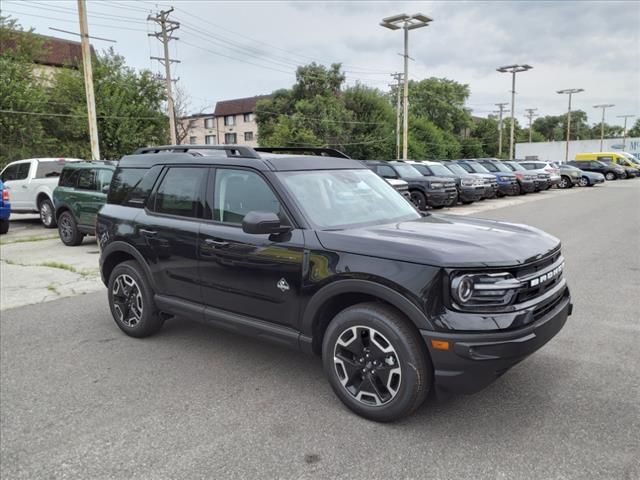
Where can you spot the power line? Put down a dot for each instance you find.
(79, 115)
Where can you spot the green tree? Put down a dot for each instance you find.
(442, 101)
(21, 134)
(635, 130)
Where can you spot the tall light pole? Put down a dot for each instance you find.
(570, 92)
(624, 130)
(531, 112)
(501, 107)
(603, 107)
(406, 22)
(513, 69)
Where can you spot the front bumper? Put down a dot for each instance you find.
(471, 194)
(439, 198)
(490, 191)
(474, 360)
(508, 188)
(528, 186)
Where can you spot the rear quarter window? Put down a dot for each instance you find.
(132, 186)
(67, 177)
(49, 169)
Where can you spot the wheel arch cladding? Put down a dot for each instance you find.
(41, 197)
(118, 252)
(337, 296)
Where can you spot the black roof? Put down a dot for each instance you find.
(237, 155)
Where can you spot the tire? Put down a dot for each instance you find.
(519, 190)
(68, 230)
(624, 175)
(584, 182)
(47, 216)
(4, 226)
(419, 199)
(131, 301)
(610, 176)
(565, 182)
(468, 202)
(399, 364)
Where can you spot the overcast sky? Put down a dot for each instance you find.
(239, 49)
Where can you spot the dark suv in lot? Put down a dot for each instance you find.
(322, 255)
(434, 192)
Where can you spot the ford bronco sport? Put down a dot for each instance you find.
(322, 255)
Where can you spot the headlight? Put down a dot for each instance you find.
(504, 179)
(468, 182)
(436, 185)
(484, 290)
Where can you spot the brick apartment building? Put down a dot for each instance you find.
(232, 122)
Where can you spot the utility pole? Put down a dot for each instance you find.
(406, 22)
(530, 114)
(398, 78)
(624, 130)
(168, 27)
(513, 69)
(570, 92)
(88, 80)
(603, 107)
(500, 112)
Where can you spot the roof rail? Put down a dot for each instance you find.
(231, 150)
(328, 152)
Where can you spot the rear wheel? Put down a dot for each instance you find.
(565, 182)
(584, 182)
(68, 230)
(419, 199)
(4, 226)
(376, 362)
(47, 217)
(131, 301)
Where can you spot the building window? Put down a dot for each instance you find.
(230, 138)
(248, 136)
(248, 117)
(208, 123)
(193, 140)
(229, 120)
(210, 139)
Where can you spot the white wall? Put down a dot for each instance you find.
(556, 150)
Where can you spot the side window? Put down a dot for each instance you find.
(19, 171)
(238, 192)
(606, 158)
(179, 192)
(386, 171)
(49, 169)
(103, 179)
(68, 177)
(87, 179)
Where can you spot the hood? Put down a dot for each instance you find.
(445, 241)
(439, 179)
(486, 176)
(505, 175)
(593, 175)
(396, 182)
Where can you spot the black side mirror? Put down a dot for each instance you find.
(105, 188)
(260, 223)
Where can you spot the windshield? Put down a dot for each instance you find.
(455, 168)
(406, 170)
(477, 167)
(336, 199)
(517, 167)
(440, 170)
(502, 167)
(422, 169)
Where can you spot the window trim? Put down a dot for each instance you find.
(210, 193)
(150, 204)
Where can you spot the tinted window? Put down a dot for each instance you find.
(103, 179)
(466, 167)
(49, 169)
(19, 171)
(179, 192)
(490, 166)
(386, 171)
(68, 177)
(86, 179)
(238, 192)
(124, 183)
(439, 170)
(422, 169)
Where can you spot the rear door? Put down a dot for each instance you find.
(16, 180)
(258, 276)
(168, 231)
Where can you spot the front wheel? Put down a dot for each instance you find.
(564, 182)
(584, 182)
(131, 301)
(376, 362)
(46, 213)
(610, 176)
(419, 200)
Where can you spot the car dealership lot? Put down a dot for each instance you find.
(79, 399)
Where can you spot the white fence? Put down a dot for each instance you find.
(555, 151)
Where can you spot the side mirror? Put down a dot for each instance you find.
(105, 188)
(260, 223)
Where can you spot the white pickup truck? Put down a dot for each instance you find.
(31, 183)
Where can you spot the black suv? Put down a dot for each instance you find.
(322, 255)
(434, 192)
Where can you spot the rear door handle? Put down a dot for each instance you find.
(148, 233)
(216, 243)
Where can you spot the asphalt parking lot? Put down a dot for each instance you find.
(79, 399)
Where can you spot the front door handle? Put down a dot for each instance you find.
(216, 243)
(25, 186)
(148, 233)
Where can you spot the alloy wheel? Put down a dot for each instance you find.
(610, 176)
(367, 365)
(563, 183)
(584, 182)
(127, 300)
(46, 213)
(66, 228)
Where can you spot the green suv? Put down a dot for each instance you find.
(81, 192)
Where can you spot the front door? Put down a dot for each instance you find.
(168, 231)
(257, 276)
(16, 180)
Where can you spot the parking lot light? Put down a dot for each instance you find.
(513, 69)
(570, 92)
